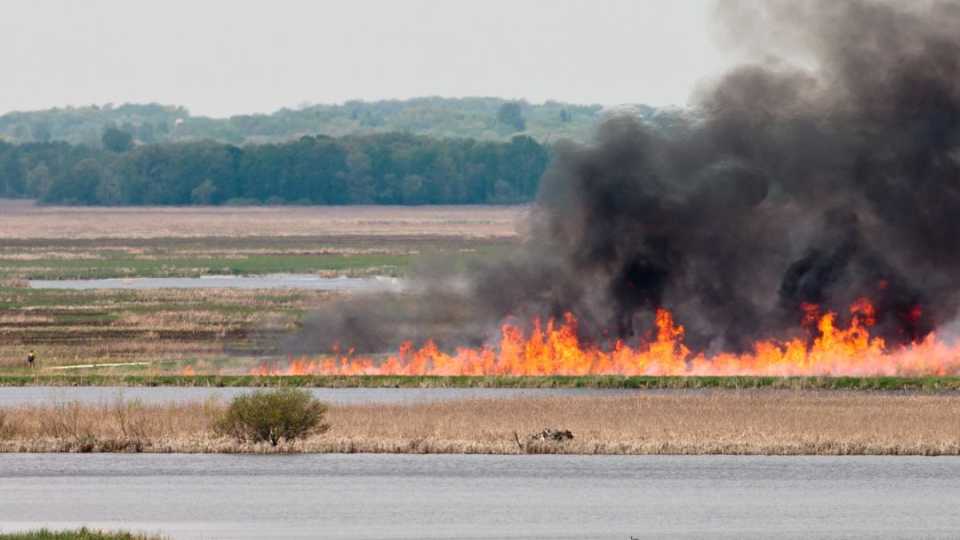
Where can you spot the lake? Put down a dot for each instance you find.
(476, 497)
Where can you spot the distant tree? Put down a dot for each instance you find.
(522, 162)
(436, 117)
(147, 133)
(203, 194)
(503, 193)
(11, 173)
(510, 114)
(413, 189)
(38, 181)
(361, 182)
(79, 186)
(108, 190)
(116, 140)
(40, 131)
(21, 132)
(386, 168)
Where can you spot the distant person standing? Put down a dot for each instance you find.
(30, 358)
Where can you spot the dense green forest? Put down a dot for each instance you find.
(388, 168)
(490, 119)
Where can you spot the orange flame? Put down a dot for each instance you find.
(556, 350)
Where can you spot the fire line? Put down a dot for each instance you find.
(555, 349)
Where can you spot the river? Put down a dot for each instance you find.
(474, 497)
(12, 396)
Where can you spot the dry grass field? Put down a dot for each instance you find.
(164, 326)
(39, 242)
(715, 422)
(22, 220)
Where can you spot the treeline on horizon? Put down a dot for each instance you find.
(387, 168)
(473, 118)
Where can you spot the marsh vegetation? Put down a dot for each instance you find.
(711, 422)
(206, 329)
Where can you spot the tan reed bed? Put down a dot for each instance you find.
(716, 422)
(24, 221)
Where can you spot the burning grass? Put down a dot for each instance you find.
(709, 422)
(185, 378)
(830, 348)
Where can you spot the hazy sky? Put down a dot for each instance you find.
(222, 57)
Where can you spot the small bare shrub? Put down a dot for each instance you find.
(70, 422)
(272, 416)
(6, 427)
(132, 423)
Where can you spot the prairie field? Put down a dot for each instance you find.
(38, 242)
(166, 327)
(21, 220)
(759, 422)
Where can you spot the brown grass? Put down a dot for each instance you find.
(145, 325)
(720, 422)
(19, 220)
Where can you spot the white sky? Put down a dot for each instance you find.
(222, 57)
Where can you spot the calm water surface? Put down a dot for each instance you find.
(34, 395)
(472, 497)
(270, 281)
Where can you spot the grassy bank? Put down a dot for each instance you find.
(78, 534)
(910, 384)
(760, 422)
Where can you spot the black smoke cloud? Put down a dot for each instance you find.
(780, 186)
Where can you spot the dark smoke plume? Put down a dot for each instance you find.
(781, 186)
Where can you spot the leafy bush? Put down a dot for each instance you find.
(285, 414)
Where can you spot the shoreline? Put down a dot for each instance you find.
(743, 422)
(455, 447)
